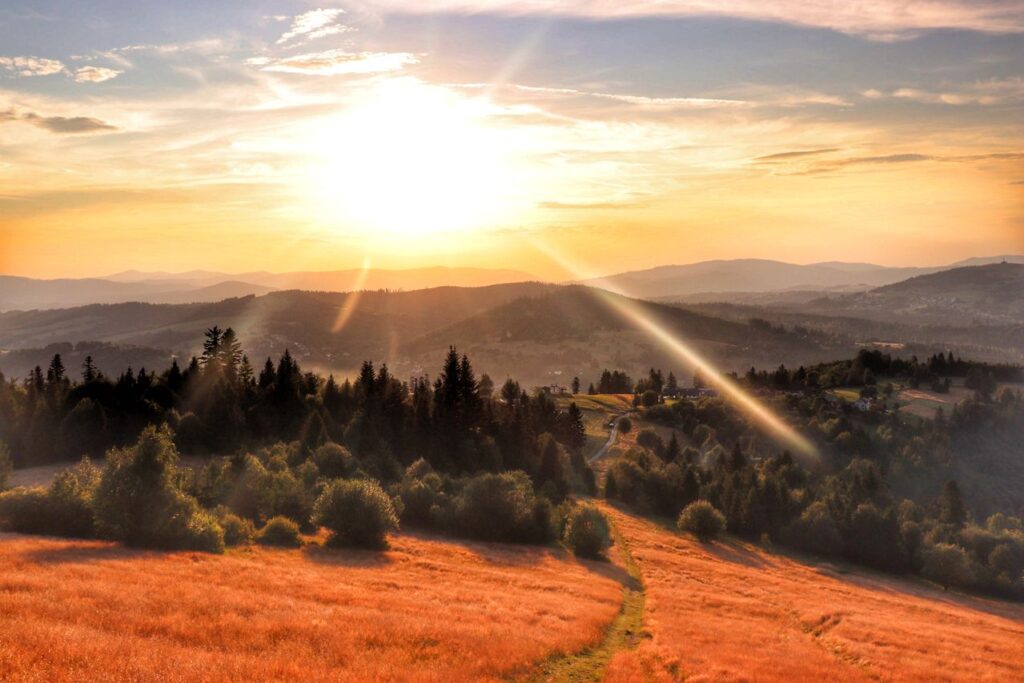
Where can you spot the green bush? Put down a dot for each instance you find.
(24, 510)
(586, 531)
(702, 520)
(334, 461)
(65, 509)
(948, 565)
(625, 425)
(140, 501)
(503, 507)
(814, 531)
(280, 532)
(237, 531)
(6, 465)
(357, 512)
(419, 497)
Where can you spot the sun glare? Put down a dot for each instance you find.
(412, 160)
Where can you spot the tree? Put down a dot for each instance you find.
(139, 500)
(211, 347)
(574, 432)
(575, 385)
(947, 565)
(951, 505)
(486, 386)
(89, 370)
(586, 531)
(702, 520)
(357, 513)
(5, 465)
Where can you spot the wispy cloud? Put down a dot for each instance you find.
(314, 24)
(785, 156)
(30, 66)
(59, 124)
(994, 91)
(877, 19)
(95, 74)
(335, 62)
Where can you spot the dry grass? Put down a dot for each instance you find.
(734, 612)
(425, 610)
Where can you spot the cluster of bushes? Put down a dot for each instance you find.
(139, 498)
(143, 498)
(851, 514)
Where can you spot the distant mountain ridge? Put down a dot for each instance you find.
(202, 286)
(762, 275)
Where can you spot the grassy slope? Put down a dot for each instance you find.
(731, 611)
(425, 610)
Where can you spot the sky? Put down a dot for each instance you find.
(614, 135)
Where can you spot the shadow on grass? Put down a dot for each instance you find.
(346, 557)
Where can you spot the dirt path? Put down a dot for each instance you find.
(612, 435)
(625, 631)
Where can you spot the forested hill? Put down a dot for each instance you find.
(534, 331)
(989, 294)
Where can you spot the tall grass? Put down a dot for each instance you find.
(425, 610)
(734, 612)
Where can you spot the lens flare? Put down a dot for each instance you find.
(352, 300)
(632, 311)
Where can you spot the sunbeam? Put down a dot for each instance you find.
(622, 304)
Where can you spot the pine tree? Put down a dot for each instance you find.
(88, 370)
(951, 505)
(267, 375)
(672, 451)
(575, 385)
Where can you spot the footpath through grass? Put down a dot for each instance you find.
(624, 633)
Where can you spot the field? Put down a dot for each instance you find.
(731, 611)
(923, 403)
(425, 610)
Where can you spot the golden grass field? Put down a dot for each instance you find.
(426, 610)
(730, 611)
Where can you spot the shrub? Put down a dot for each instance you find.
(649, 439)
(419, 496)
(281, 532)
(24, 510)
(947, 565)
(5, 465)
(702, 520)
(357, 512)
(586, 531)
(65, 509)
(334, 461)
(139, 499)
(814, 531)
(237, 531)
(625, 425)
(503, 507)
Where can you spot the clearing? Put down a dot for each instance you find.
(427, 609)
(732, 611)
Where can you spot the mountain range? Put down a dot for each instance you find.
(739, 280)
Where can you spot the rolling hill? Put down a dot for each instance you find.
(532, 331)
(200, 286)
(715, 280)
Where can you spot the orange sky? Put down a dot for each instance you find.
(316, 139)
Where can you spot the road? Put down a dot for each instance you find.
(612, 435)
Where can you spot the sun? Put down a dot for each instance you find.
(410, 159)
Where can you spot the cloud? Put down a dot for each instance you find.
(994, 91)
(883, 20)
(783, 156)
(574, 206)
(65, 125)
(95, 74)
(314, 24)
(334, 62)
(30, 66)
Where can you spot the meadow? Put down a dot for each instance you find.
(733, 611)
(425, 610)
